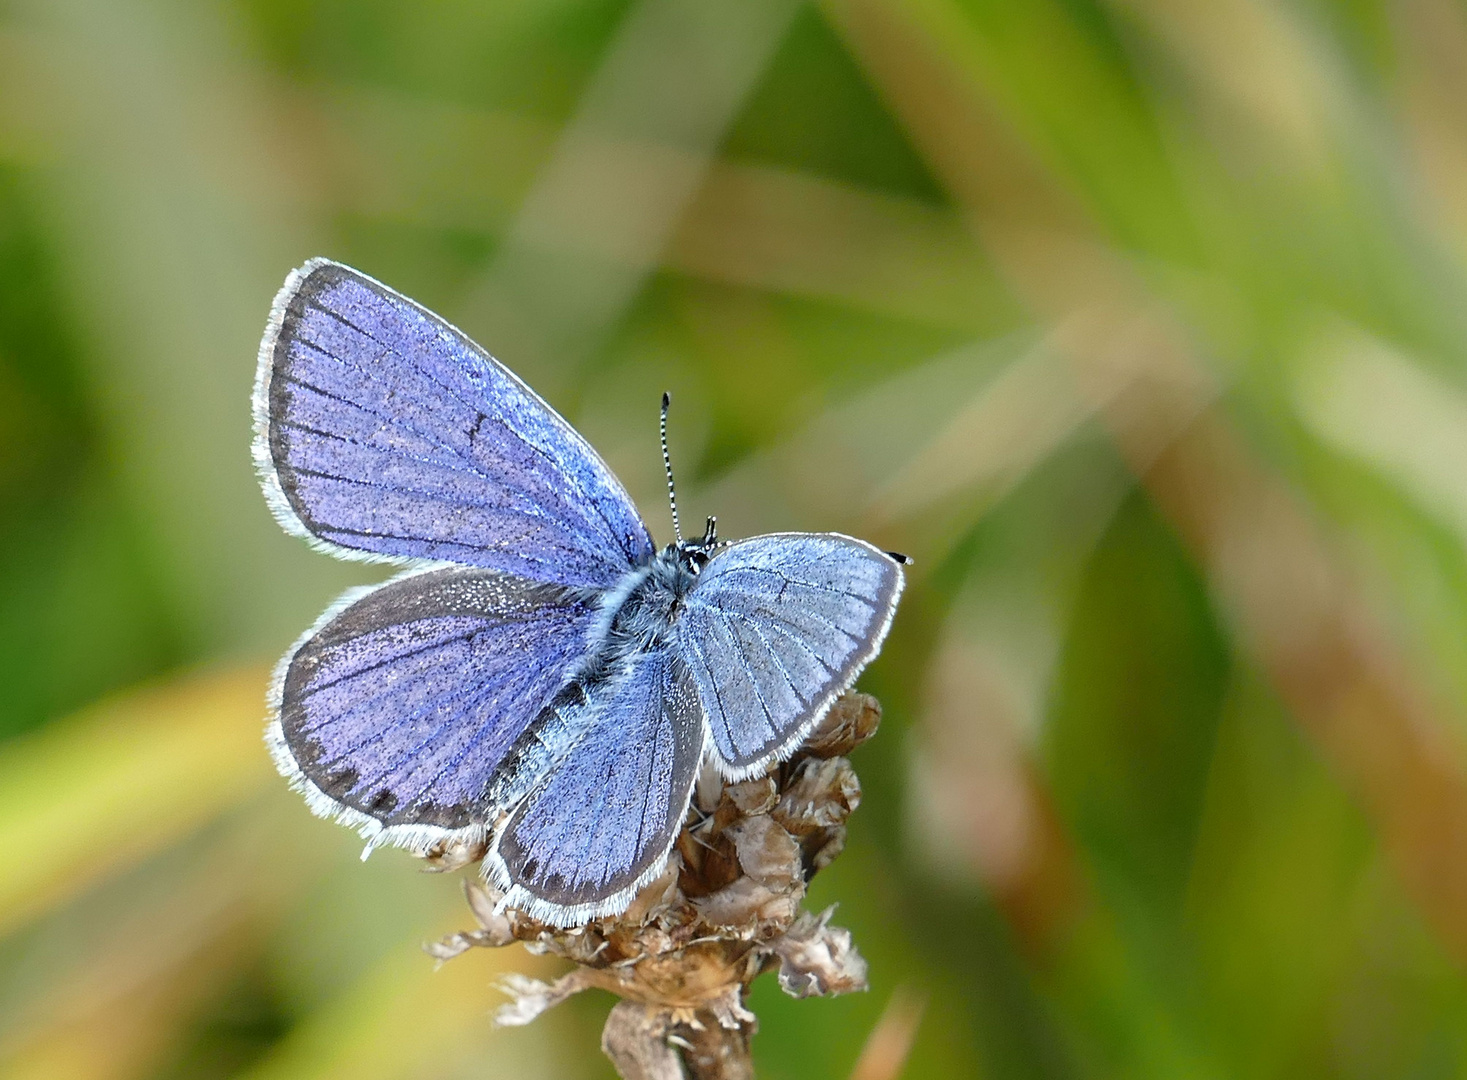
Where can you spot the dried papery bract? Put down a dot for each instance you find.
(728, 908)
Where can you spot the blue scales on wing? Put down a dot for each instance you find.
(602, 823)
(384, 432)
(399, 707)
(775, 628)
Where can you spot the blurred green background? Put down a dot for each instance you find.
(1141, 324)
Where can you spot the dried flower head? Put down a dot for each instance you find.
(727, 908)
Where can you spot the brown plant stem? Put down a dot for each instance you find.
(713, 1052)
(644, 1044)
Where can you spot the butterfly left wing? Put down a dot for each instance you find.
(775, 629)
(600, 826)
(384, 433)
(396, 711)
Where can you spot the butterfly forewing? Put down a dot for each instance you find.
(383, 431)
(603, 822)
(398, 709)
(774, 629)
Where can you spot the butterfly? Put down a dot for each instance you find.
(539, 679)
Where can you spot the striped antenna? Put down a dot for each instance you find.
(677, 529)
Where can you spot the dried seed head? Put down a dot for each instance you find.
(852, 720)
(684, 952)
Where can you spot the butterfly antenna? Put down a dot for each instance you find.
(667, 465)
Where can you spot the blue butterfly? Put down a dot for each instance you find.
(540, 678)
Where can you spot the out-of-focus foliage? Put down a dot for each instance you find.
(1141, 324)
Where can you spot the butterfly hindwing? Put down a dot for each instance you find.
(383, 432)
(397, 709)
(775, 628)
(602, 823)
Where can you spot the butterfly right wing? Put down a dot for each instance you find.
(396, 710)
(381, 432)
(774, 629)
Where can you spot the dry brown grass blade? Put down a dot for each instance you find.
(1274, 573)
(994, 440)
(125, 993)
(672, 79)
(169, 216)
(1343, 682)
(980, 811)
(749, 225)
(1012, 200)
(405, 1019)
(890, 1042)
(124, 1041)
(1432, 40)
(445, 166)
(1379, 403)
(796, 233)
(1029, 224)
(1283, 94)
(90, 795)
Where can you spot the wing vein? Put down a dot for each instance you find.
(472, 467)
(773, 654)
(399, 657)
(522, 437)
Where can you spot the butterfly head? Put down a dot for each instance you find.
(694, 554)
